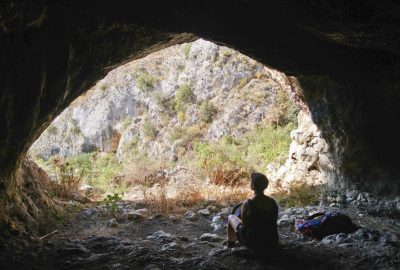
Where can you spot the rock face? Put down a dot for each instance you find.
(156, 103)
(345, 55)
(309, 159)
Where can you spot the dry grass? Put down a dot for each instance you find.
(68, 181)
(168, 198)
(192, 197)
(226, 176)
(298, 194)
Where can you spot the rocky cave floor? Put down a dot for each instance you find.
(91, 239)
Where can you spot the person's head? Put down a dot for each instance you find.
(259, 182)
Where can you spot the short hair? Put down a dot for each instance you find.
(259, 181)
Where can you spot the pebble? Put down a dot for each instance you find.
(210, 237)
(161, 236)
(190, 215)
(216, 252)
(204, 212)
(141, 213)
(112, 223)
(286, 220)
(75, 249)
(173, 246)
(219, 221)
(212, 208)
(152, 267)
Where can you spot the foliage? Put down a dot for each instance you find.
(76, 130)
(183, 96)
(265, 145)
(106, 168)
(227, 52)
(127, 122)
(145, 81)
(242, 82)
(96, 169)
(68, 180)
(186, 49)
(180, 68)
(111, 202)
(177, 133)
(207, 111)
(254, 150)
(185, 134)
(149, 131)
(181, 117)
(162, 101)
(284, 111)
(132, 144)
(298, 194)
(104, 86)
(52, 130)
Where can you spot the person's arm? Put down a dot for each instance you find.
(245, 213)
(275, 215)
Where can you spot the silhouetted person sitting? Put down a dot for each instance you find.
(257, 228)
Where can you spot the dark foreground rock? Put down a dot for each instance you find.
(158, 242)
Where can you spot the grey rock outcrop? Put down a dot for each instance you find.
(309, 159)
(154, 105)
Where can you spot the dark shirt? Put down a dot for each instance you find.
(259, 217)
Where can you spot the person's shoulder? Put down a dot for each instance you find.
(246, 203)
(271, 200)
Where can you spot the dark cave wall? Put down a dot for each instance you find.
(357, 119)
(346, 57)
(49, 56)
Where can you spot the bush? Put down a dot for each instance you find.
(52, 130)
(149, 131)
(242, 82)
(186, 49)
(127, 122)
(183, 96)
(96, 169)
(254, 151)
(132, 144)
(181, 117)
(187, 135)
(177, 133)
(283, 112)
(68, 181)
(162, 101)
(104, 86)
(111, 202)
(207, 111)
(180, 68)
(145, 82)
(298, 194)
(227, 52)
(266, 145)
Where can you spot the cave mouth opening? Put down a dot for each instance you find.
(179, 128)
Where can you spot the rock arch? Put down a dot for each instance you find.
(345, 57)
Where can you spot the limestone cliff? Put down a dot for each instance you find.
(194, 89)
(309, 159)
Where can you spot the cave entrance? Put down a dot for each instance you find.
(178, 128)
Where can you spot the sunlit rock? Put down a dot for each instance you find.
(309, 159)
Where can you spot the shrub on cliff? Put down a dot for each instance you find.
(145, 82)
(207, 111)
(149, 131)
(183, 96)
(283, 112)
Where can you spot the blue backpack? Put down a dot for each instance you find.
(320, 225)
(237, 209)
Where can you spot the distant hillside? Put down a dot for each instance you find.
(160, 104)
